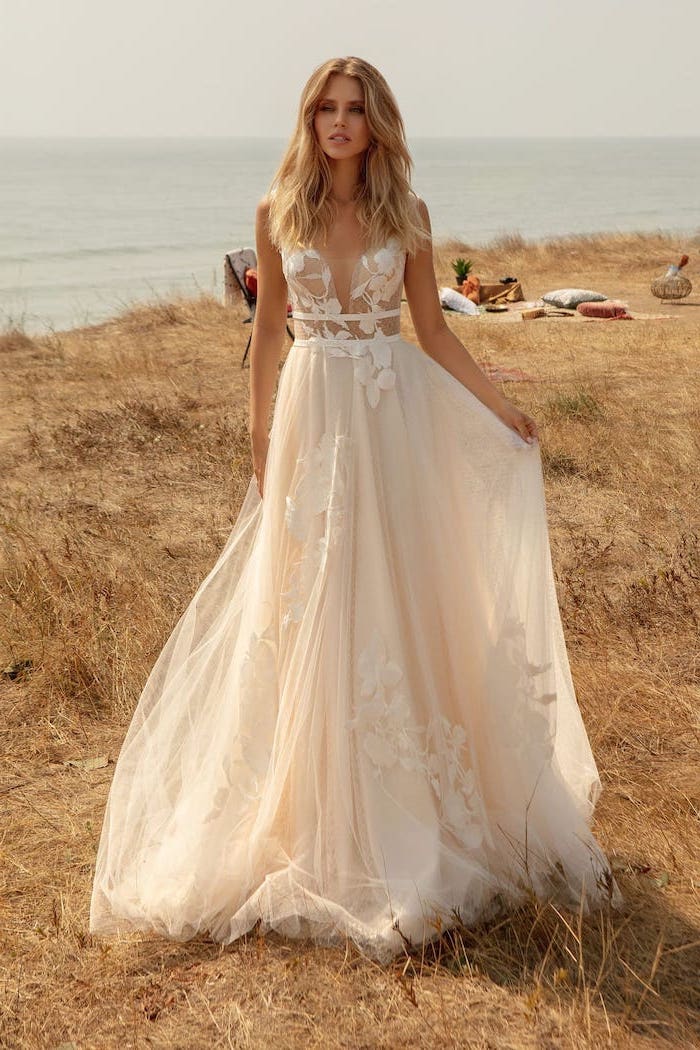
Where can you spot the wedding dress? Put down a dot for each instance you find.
(364, 723)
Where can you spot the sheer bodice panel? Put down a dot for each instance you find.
(369, 307)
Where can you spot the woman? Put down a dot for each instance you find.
(364, 723)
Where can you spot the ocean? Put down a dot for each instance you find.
(91, 226)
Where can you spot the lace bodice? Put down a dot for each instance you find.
(370, 307)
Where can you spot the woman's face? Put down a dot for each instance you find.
(339, 122)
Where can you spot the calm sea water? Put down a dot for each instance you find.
(89, 226)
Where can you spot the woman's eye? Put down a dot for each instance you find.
(356, 109)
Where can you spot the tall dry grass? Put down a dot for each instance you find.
(125, 457)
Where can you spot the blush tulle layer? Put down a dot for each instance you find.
(364, 721)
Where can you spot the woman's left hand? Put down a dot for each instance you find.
(518, 421)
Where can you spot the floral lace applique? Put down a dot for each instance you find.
(364, 334)
(243, 770)
(321, 487)
(321, 490)
(379, 284)
(375, 286)
(531, 725)
(258, 684)
(514, 644)
(301, 580)
(372, 365)
(391, 738)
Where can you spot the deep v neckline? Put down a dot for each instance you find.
(333, 286)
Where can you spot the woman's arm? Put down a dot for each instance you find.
(266, 343)
(439, 341)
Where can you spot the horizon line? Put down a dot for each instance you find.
(278, 138)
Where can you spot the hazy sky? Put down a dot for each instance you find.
(237, 67)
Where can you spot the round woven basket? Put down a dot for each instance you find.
(671, 287)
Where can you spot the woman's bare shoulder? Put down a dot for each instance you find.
(419, 203)
(262, 209)
(266, 244)
(263, 213)
(420, 207)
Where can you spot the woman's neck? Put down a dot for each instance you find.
(345, 174)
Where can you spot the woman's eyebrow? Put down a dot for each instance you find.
(352, 102)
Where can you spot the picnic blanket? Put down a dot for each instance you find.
(506, 375)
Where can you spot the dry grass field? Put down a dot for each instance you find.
(125, 456)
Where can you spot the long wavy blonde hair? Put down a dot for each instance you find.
(301, 207)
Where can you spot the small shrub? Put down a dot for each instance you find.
(14, 339)
(579, 405)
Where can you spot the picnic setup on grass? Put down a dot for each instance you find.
(474, 296)
(501, 298)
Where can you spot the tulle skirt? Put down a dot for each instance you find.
(364, 724)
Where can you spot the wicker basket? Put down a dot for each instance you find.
(671, 287)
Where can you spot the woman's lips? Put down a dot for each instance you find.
(338, 138)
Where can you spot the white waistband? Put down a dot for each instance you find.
(345, 317)
(321, 340)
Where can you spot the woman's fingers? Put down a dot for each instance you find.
(523, 425)
(527, 428)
